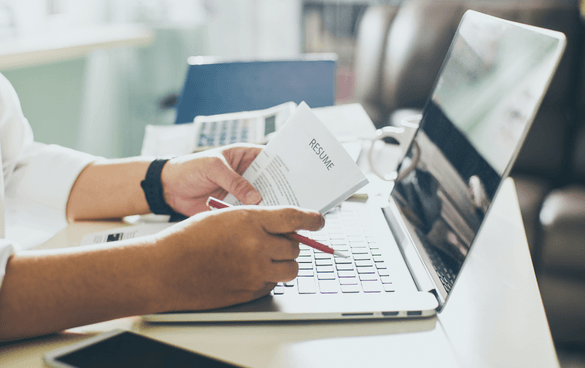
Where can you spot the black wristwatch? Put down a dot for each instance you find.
(153, 191)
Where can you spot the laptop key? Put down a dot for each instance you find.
(359, 237)
(344, 267)
(321, 269)
(353, 231)
(358, 245)
(367, 269)
(328, 287)
(278, 290)
(345, 274)
(326, 276)
(362, 257)
(383, 272)
(323, 262)
(364, 263)
(389, 288)
(337, 239)
(369, 277)
(341, 260)
(321, 255)
(341, 248)
(348, 281)
(305, 273)
(307, 285)
(350, 288)
(386, 280)
(371, 286)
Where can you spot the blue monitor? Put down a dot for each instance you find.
(215, 86)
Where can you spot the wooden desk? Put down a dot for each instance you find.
(494, 318)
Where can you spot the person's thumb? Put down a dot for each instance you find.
(239, 187)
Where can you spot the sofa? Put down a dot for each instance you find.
(399, 51)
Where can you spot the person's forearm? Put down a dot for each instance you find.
(192, 265)
(48, 291)
(109, 189)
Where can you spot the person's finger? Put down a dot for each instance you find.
(235, 184)
(283, 248)
(282, 271)
(241, 156)
(282, 220)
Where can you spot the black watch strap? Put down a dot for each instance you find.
(153, 191)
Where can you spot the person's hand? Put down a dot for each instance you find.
(189, 180)
(229, 256)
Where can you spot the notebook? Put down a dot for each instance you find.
(407, 254)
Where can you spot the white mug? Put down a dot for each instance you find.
(404, 135)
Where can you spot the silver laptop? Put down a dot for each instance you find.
(406, 256)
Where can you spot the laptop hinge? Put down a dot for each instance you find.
(440, 300)
(417, 268)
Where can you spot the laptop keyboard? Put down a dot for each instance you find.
(346, 230)
(444, 265)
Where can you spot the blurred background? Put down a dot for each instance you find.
(91, 74)
(113, 63)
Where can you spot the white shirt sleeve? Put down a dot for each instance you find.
(45, 174)
(33, 173)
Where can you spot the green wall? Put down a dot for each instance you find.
(101, 103)
(51, 96)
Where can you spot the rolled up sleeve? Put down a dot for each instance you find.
(45, 175)
(34, 174)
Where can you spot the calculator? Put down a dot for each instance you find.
(248, 127)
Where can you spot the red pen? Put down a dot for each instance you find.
(215, 203)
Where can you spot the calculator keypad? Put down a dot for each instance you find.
(219, 133)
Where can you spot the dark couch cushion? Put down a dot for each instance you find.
(563, 233)
(531, 191)
(563, 300)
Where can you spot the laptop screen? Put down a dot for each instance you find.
(483, 102)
